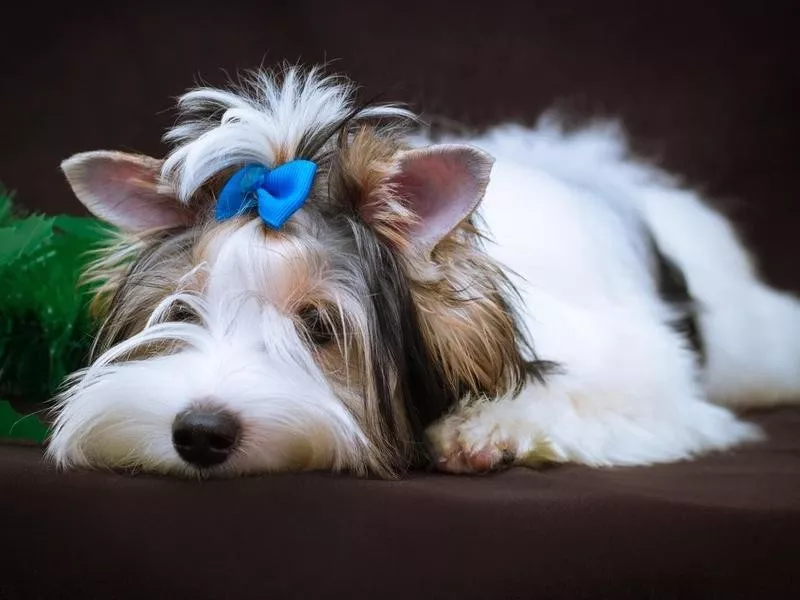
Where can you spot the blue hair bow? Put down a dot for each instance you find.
(277, 193)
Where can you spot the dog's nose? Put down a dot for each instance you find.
(205, 437)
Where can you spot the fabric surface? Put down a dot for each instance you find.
(708, 89)
(725, 526)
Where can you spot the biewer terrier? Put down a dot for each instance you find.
(304, 283)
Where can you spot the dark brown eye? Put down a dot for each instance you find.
(182, 314)
(318, 328)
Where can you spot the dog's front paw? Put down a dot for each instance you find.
(463, 459)
(489, 436)
(467, 446)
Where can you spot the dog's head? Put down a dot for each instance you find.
(332, 341)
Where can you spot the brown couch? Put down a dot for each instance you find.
(708, 89)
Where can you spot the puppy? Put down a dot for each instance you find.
(304, 283)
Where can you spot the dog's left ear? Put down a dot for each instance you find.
(125, 190)
(442, 186)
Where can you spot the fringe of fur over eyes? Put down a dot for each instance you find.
(462, 338)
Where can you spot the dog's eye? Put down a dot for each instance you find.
(318, 328)
(182, 313)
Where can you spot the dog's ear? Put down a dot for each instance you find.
(125, 190)
(441, 185)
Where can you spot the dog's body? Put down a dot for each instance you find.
(645, 364)
(378, 321)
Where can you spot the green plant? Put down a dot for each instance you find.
(45, 327)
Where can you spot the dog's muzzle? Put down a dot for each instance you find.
(205, 437)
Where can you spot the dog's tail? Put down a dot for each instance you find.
(753, 339)
(751, 331)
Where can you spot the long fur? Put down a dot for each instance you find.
(592, 311)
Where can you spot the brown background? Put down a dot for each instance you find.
(709, 88)
(722, 528)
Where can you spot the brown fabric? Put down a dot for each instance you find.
(725, 526)
(708, 88)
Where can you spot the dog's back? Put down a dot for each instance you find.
(573, 213)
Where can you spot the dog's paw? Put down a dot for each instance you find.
(484, 438)
(467, 446)
(470, 460)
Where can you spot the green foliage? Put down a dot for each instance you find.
(20, 427)
(45, 328)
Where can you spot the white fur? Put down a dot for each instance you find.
(561, 209)
(257, 125)
(564, 212)
(245, 355)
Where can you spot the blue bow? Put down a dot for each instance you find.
(278, 193)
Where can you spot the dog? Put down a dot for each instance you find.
(306, 283)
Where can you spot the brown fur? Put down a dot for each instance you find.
(462, 296)
(366, 166)
(463, 300)
(135, 274)
(468, 321)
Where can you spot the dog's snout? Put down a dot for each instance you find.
(204, 437)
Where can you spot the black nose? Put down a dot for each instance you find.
(205, 437)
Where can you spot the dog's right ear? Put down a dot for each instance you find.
(125, 190)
